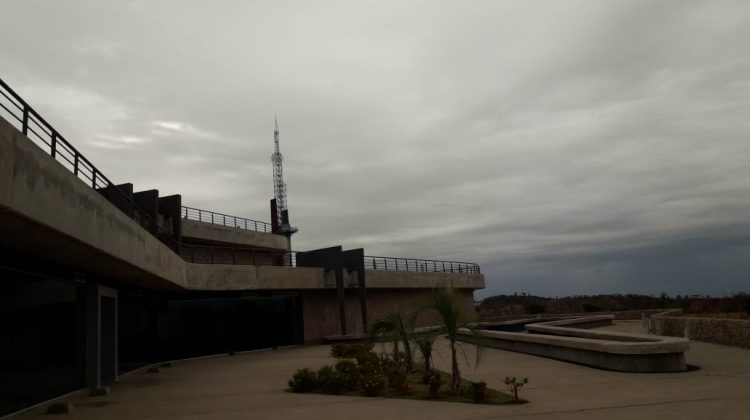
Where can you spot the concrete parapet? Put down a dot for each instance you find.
(47, 210)
(232, 235)
(423, 280)
(602, 349)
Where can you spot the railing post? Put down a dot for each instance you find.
(212, 218)
(93, 179)
(25, 120)
(75, 164)
(53, 145)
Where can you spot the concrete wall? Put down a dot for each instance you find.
(570, 340)
(45, 209)
(429, 280)
(321, 317)
(228, 235)
(201, 255)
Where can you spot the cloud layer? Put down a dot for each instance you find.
(568, 147)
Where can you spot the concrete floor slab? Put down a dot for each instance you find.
(252, 385)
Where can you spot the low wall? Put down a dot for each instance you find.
(232, 235)
(634, 314)
(730, 332)
(602, 349)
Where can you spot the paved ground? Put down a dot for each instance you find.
(250, 386)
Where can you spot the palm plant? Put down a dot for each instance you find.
(397, 329)
(425, 342)
(445, 303)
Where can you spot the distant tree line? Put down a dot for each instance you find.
(735, 306)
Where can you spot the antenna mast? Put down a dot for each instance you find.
(279, 187)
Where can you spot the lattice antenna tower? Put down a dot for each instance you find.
(279, 187)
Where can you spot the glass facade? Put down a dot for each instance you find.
(42, 338)
(157, 329)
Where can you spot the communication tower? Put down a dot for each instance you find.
(279, 210)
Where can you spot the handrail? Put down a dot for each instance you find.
(207, 216)
(421, 265)
(44, 135)
(208, 254)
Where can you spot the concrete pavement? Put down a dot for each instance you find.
(252, 385)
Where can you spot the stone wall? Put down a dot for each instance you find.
(730, 332)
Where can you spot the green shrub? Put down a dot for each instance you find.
(369, 362)
(350, 350)
(479, 391)
(434, 380)
(396, 378)
(331, 381)
(373, 384)
(350, 373)
(303, 381)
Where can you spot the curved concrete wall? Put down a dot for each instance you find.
(602, 349)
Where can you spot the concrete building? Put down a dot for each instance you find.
(98, 279)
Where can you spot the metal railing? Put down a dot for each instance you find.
(191, 213)
(207, 254)
(414, 264)
(17, 112)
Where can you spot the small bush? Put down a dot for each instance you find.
(396, 378)
(479, 391)
(303, 381)
(434, 381)
(349, 350)
(373, 384)
(368, 362)
(514, 384)
(331, 381)
(348, 369)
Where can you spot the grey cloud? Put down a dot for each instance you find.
(568, 147)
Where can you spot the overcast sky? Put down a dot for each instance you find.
(568, 147)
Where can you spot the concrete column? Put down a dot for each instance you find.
(101, 336)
